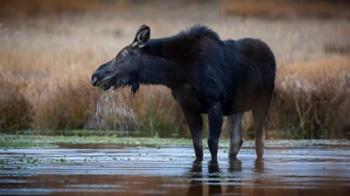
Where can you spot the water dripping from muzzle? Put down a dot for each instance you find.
(113, 111)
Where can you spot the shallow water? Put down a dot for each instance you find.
(157, 171)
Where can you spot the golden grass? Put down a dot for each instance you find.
(16, 8)
(15, 109)
(151, 111)
(286, 8)
(67, 106)
(313, 96)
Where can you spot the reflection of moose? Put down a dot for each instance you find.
(206, 76)
(217, 182)
(197, 179)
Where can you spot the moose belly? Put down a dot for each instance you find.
(190, 99)
(187, 97)
(242, 103)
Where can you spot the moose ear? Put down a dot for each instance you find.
(142, 36)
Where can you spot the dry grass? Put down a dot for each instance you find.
(67, 106)
(151, 111)
(287, 8)
(312, 98)
(15, 109)
(19, 8)
(46, 62)
(158, 112)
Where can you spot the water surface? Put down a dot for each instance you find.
(170, 170)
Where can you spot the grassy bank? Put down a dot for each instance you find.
(25, 141)
(112, 141)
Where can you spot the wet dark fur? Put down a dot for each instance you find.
(210, 70)
(206, 75)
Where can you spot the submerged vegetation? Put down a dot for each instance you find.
(46, 63)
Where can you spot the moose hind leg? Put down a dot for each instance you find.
(195, 123)
(235, 135)
(259, 115)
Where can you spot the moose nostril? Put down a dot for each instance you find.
(94, 80)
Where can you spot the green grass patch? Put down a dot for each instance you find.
(72, 141)
(26, 141)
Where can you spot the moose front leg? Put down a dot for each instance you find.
(195, 123)
(215, 117)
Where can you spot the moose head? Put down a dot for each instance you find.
(123, 69)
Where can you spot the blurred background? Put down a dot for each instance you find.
(49, 49)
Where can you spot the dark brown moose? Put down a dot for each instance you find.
(206, 75)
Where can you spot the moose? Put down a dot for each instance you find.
(206, 75)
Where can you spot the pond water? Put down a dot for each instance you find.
(170, 171)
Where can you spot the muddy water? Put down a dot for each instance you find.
(170, 171)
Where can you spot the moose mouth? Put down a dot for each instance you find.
(118, 81)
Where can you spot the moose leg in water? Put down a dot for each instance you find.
(195, 123)
(259, 115)
(215, 117)
(235, 135)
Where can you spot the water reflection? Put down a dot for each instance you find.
(196, 187)
(216, 182)
(258, 181)
(209, 184)
(199, 180)
(289, 172)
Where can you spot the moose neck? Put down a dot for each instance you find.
(158, 70)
